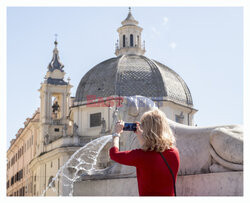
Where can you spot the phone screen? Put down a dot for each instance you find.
(129, 127)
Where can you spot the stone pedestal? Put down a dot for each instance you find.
(211, 184)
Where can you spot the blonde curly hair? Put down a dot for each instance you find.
(156, 131)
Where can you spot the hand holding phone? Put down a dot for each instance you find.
(119, 126)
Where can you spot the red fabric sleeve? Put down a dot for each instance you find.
(130, 158)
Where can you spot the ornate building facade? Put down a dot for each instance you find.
(63, 124)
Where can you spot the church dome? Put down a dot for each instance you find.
(132, 74)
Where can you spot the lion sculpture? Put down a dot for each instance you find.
(202, 149)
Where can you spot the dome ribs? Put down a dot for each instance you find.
(131, 74)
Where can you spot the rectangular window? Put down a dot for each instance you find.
(179, 118)
(34, 189)
(95, 119)
(20, 174)
(123, 41)
(17, 176)
(23, 191)
(12, 180)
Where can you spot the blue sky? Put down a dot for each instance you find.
(204, 45)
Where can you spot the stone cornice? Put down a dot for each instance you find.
(50, 155)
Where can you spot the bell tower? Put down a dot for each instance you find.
(55, 98)
(129, 37)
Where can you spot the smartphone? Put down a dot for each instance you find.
(129, 127)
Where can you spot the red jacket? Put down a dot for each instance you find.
(153, 175)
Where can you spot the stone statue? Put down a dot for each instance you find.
(103, 123)
(46, 139)
(75, 129)
(55, 108)
(65, 127)
(202, 149)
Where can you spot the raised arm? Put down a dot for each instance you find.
(130, 158)
(118, 130)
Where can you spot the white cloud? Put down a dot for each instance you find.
(165, 20)
(155, 31)
(173, 45)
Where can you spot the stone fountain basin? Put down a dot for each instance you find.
(209, 184)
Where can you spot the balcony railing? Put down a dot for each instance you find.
(117, 47)
(56, 121)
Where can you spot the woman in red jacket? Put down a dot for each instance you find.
(154, 135)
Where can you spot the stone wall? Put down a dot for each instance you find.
(211, 184)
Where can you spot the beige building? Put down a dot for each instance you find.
(63, 124)
(46, 141)
(19, 155)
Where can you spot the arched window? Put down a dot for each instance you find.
(123, 41)
(131, 41)
(51, 180)
(138, 42)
